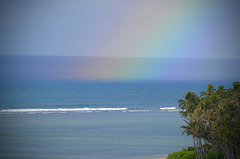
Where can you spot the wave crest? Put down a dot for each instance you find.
(168, 108)
(61, 110)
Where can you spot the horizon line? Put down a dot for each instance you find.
(123, 57)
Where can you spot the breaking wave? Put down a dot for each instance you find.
(172, 109)
(80, 110)
(168, 108)
(62, 110)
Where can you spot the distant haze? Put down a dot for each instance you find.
(112, 68)
(206, 29)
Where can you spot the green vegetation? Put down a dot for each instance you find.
(182, 154)
(191, 155)
(213, 121)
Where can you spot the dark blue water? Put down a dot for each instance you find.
(128, 134)
(78, 94)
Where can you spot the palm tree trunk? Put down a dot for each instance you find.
(205, 149)
(195, 148)
(201, 147)
(216, 154)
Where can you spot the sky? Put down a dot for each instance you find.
(127, 39)
(121, 28)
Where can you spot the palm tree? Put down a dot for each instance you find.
(189, 104)
(190, 111)
(213, 118)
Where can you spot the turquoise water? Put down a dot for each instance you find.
(141, 131)
(101, 135)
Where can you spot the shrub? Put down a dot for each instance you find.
(190, 148)
(191, 155)
(212, 155)
(183, 155)
(184, 149)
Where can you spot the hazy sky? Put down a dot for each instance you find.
(112, 68)
(121, 28)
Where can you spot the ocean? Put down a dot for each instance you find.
(70, 119)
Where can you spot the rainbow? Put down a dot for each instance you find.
(164, 29)
(127, 40)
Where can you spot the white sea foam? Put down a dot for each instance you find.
(61, 110)
(78, 110)
(168, 108)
